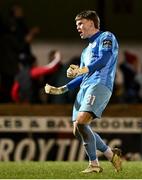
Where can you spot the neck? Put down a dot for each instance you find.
(95, 35)
(94, 32)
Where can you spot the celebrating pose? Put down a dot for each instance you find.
(96, 78)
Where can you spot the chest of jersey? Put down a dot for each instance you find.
(89, 53)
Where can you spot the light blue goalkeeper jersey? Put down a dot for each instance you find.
(100, 56)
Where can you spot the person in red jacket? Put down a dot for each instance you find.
(24, 87)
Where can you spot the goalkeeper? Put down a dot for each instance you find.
(95, 76)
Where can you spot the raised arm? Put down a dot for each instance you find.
(38, 71)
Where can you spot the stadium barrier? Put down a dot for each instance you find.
(44, 132)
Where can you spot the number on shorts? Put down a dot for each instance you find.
(90, 99)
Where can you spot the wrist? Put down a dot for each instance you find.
(63, 89)
(83, 70)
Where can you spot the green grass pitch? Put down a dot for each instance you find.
(66, 170)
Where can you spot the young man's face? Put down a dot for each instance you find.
(85, 27)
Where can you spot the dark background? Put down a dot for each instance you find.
(56, 17)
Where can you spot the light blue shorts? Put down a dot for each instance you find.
(91, 99)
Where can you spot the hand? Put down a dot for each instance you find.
(74, 71)
(55, 90)
(49, 89)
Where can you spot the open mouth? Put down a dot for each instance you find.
(81, 33)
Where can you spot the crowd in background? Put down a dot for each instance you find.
(128, 82)
(15, 48)
(22, 80)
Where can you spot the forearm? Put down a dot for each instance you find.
(53, 63)
(36, 72)
(74, 83)
(100, 62)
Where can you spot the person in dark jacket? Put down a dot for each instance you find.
(24, 87)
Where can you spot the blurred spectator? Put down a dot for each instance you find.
(138, 79)
(8, 60)
(130, 68)
(117, 96)
(20, 31)
(15, 45)
(25, 88)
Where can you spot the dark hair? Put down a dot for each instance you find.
(90, 15)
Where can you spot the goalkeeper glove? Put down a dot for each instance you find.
(55, 90)
(74, 71)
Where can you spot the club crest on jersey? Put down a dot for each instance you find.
(107, 43)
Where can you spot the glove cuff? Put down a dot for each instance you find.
(83, 70)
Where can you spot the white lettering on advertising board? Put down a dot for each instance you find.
(63, 124)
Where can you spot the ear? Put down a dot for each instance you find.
(92, 24)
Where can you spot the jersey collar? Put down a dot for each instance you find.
(92, 38)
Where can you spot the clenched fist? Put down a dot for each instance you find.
(74, 71)
(55, 90)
